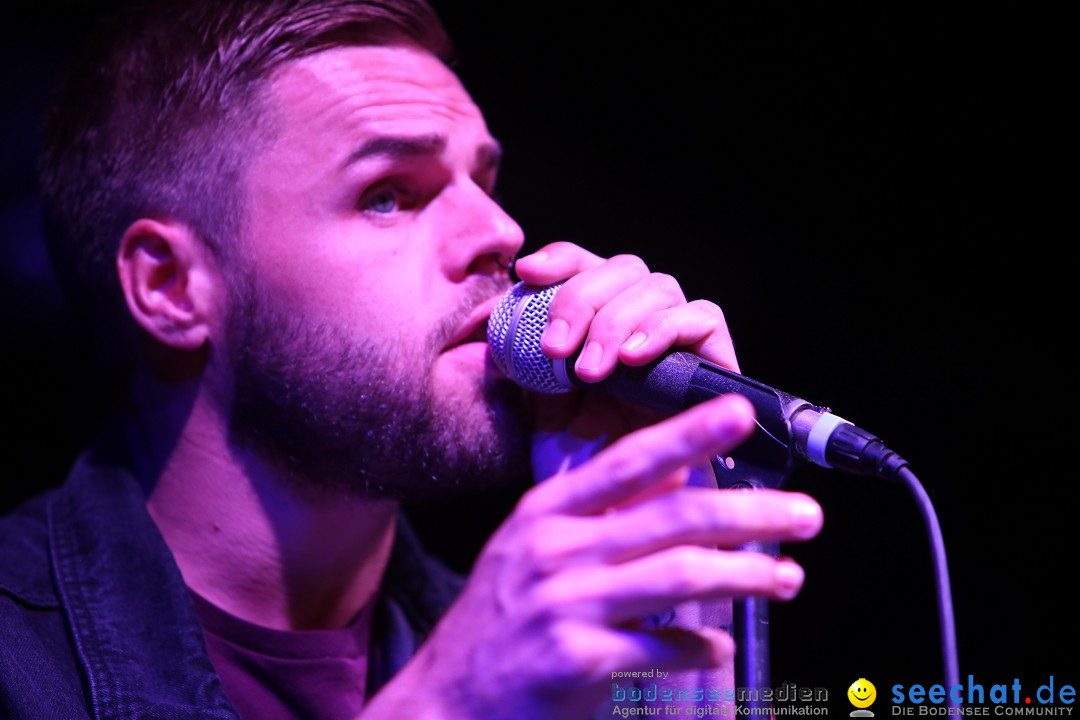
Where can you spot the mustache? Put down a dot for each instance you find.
(480, 289)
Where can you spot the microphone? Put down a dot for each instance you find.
(791, 430)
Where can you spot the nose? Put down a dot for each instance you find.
(483, 238)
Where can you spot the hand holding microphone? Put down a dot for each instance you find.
(672, 381)
(791, 428)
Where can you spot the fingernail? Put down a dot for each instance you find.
(635, 341)
(536, 257)
(806, 516)
(590, 359)
(557, 333)
(789, 579)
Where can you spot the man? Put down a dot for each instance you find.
(278, 217)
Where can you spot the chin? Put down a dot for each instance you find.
(486, 407)
(486, 429)
(469, 383)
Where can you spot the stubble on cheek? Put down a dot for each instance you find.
(365, 418)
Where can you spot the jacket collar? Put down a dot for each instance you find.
(132, 621)
(132, 618)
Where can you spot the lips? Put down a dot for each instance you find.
(474, 329)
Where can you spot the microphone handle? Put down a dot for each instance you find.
(790, 429)
(681, 379)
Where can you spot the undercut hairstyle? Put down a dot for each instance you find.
(158, 116)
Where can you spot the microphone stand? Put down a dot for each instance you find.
(750, 615)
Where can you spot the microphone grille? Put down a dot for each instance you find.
(514, 338)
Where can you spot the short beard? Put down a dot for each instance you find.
(359, 416)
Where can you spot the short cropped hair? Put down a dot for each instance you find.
(158, 117)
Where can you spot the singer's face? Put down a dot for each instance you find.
(372, 251)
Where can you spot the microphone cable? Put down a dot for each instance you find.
(680, 379)
(858, 452)
(946, 618)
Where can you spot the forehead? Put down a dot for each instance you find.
(349, 92)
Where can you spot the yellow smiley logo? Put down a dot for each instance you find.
(862, 693)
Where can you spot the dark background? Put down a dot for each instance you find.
(876, 200)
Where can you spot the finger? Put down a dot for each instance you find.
(706, 518)
(698, 326)
(639, 459)
(554, 263)
(619, 317)
(575, 305)
(619, 593)
(699, 516)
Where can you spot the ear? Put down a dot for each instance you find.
(169, 281)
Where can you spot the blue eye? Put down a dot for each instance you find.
(385, 201)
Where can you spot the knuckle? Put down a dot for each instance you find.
(667, 321)
(561, 247)
(531, 544)
(683, 512)
(710, 309)
(630, 264)
(549, 598)
(717, 512)
(551, 546)
(530, 505)
(621, 469)
(607, 318)
(711, 314)
(572, 651)
(612, 323)
(567, 303)
(685, 573)
(667, 285)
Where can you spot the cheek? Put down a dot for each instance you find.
(329, 287)
(381, 282)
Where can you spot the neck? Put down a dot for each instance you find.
(256, 546)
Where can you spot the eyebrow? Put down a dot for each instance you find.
(394, 147)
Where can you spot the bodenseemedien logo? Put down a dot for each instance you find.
(862, 694)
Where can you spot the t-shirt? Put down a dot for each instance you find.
(273, 674)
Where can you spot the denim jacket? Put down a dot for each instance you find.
(96, 622)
